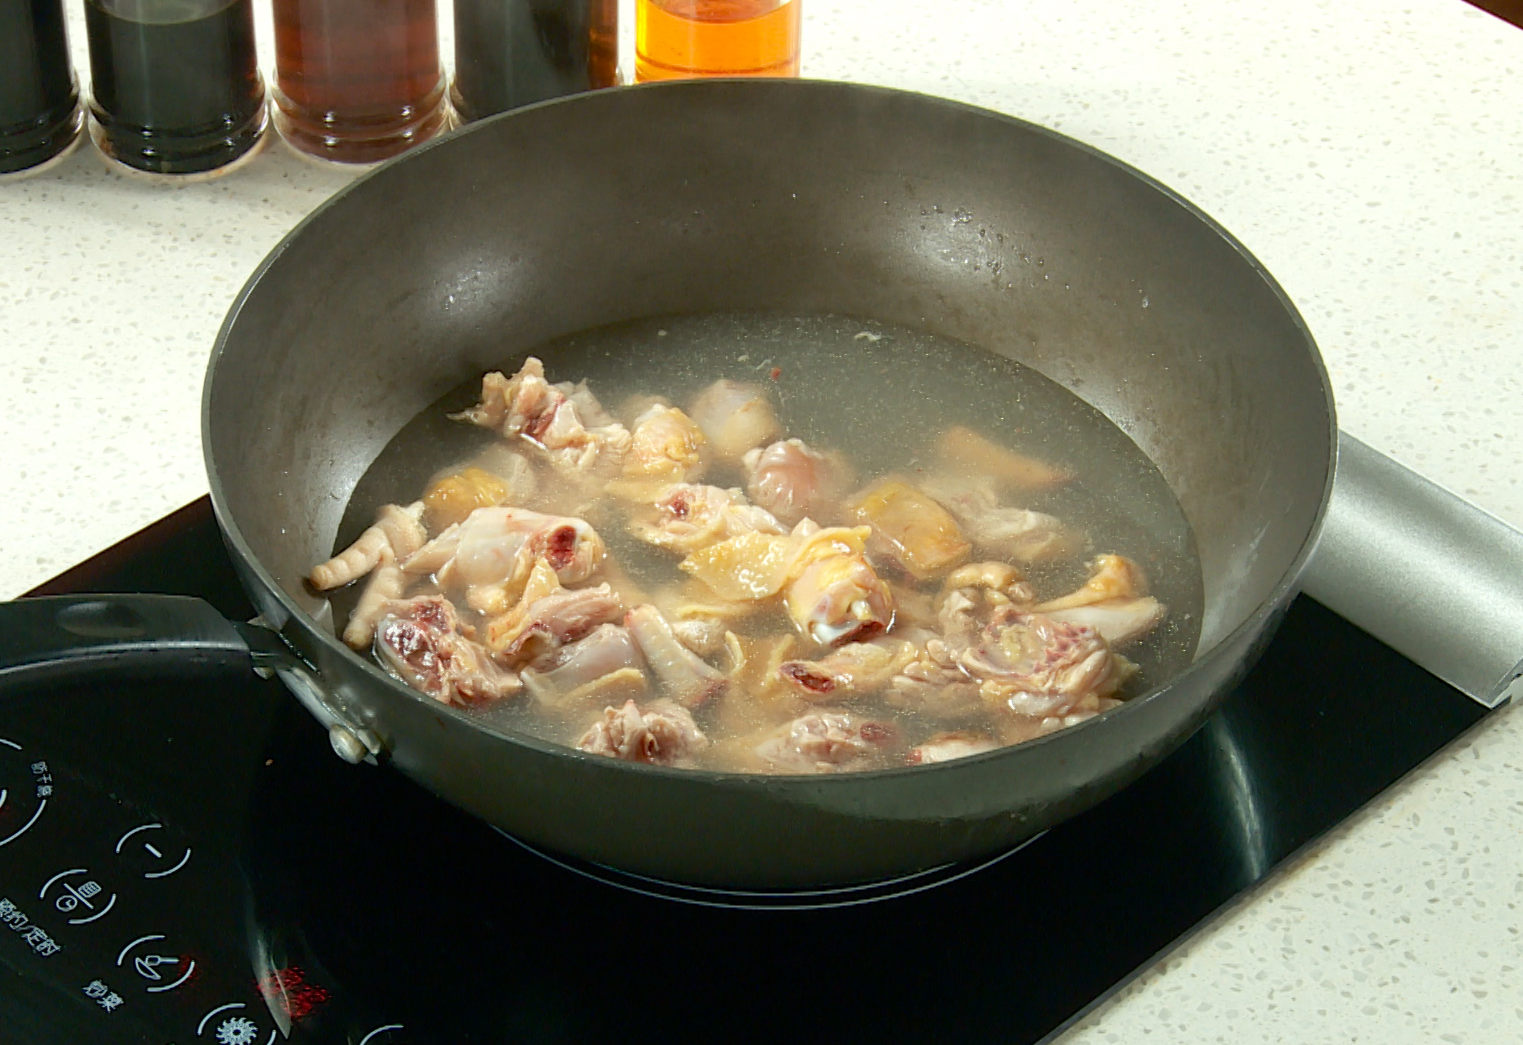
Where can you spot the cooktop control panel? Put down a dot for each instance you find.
(122, 898)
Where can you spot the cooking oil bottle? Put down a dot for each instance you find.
(680, 39)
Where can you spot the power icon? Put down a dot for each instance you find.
(146, 847)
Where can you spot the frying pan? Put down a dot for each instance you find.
(794, 197)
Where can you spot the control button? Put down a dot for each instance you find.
(149, 849)
(163, 972)
(84, 892)
(24, 791)
(226, 1026)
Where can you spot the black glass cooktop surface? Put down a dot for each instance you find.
(185, 861)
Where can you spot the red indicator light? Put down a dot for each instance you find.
(287, 990)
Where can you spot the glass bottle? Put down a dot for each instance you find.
(678, 39)
(515, 52)
(39, 99)
(357, 81)
(175, 85)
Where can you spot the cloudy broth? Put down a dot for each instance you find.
(880, 395)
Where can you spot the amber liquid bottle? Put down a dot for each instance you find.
(679, 39)
(357, 81)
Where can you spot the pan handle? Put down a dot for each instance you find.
(56, 635)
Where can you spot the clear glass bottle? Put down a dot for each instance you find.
(39, 98)
(678, 39)
(515, 52)
(357, 81)
(175, 85)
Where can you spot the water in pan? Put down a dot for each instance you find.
(882, 396)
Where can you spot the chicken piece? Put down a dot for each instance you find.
(587, 406)
(510, 463)
(932, 685)
(965, 451)
(699, 619)
(971, 596)
(564, 420)
(666, 446)
(839, 599)
(633, 406)
(705, 636)
(662, 734)
(946, 747)
(853, 670)
(792, 481)
(453, 496)
(1032, 666)
(399, 529)
(422, 642)
(1110, 577)
(387, 583)
(682, 674)
(495, 548)
(909, 528)
(1119, 621)
(754, 566)
(962, 614)
(827, 741)
(745, 567)
(548, 616)
(758, 701)
(694, 600)
(736, 417)
(1113, 601)
(1017, 729)
(998, 577)
(1013, 533)
(605, 665)
(688, 517)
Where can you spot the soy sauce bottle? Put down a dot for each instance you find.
(515, 52)
(39, 99)
(175, 83)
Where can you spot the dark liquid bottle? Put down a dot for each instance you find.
(514, 52)
(39, 100)
(357, 81)
(176, 86)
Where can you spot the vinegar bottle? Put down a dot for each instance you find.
(515, 52)
(678, 39)
(175, 84)
(39, 100)
(357, 81)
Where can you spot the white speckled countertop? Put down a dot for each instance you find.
(1371, 154)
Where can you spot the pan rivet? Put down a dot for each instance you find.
(346, 745)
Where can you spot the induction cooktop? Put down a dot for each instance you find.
(183, 860)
